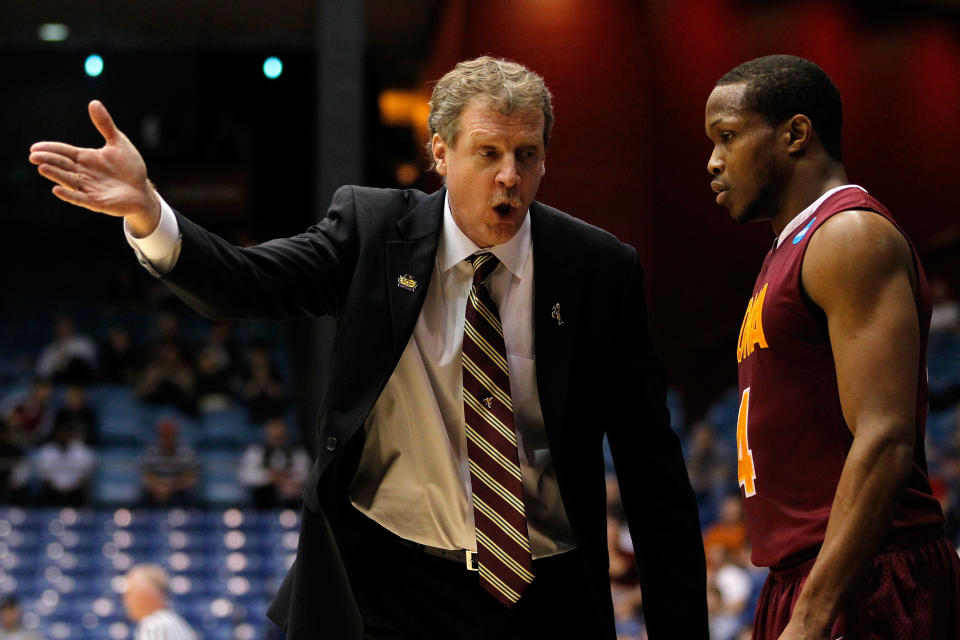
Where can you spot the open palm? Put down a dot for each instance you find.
(111, 179)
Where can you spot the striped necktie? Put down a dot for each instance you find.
(503, 545)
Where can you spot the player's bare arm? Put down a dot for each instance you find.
(111, 179)
(859, 270)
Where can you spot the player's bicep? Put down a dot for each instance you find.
(859, 270)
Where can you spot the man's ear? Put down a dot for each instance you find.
(439, 148)
(799, 132)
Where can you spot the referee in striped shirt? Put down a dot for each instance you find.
(146, 601)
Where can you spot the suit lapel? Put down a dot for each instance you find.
(409, 263)
(558, 287)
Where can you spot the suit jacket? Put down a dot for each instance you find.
(597, 373)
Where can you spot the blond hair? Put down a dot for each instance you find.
(152, 574)
(507, 86)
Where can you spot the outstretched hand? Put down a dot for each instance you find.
(111, 179)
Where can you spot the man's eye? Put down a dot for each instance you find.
(726, 136)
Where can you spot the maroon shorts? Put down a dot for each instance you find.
(911, 590)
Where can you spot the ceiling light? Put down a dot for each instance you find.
(272, 67)
(93, 65)
(53, 32)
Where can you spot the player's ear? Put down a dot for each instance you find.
(439, 149)
(799, 133)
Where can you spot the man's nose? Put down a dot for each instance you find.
(715, 164)
(508, 175)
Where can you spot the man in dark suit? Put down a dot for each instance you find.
(458, 490)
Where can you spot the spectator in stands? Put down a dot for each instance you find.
(943, 347)
(214, 389)
(120, 359)
(77, 414)
(729, 532)
(170, 469)
(945, 483)
(11, 626)
(275, 470)
(745, 633)
(614, 505)
(14, 468)
(64, 466)
(709, 462)
(624, 577)
(146, 602)
(224, 347)
(30, 413)
(732, 585)
(262, 389)
(71, 357)
(167, 332)
(722, 626)
(168, 378)
(945, 315)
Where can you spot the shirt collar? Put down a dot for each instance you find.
(800, 217)
(455, 246)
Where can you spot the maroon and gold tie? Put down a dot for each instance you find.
(503, 544)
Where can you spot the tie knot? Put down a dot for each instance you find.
(483, 265)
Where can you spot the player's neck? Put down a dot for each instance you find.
(804, 188)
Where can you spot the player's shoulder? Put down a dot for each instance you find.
(852, 254)
(859, 237)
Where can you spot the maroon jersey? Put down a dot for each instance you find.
(792, 440)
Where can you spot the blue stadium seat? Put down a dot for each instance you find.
(117, 481)
(226, 429)
(124, 426)
(723, 413)
(940, 426)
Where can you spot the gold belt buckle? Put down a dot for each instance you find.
(472, 563)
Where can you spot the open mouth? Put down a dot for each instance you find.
(503, 208)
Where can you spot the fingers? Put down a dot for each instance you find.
(54, 148)
(55, 159)
(77, 198)
(102, 120)
(64, 177)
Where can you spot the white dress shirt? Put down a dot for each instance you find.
(164, 624)
(65, 469)
(413, 477)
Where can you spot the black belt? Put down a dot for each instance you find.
(462, 557)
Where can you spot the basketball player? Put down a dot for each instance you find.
(830, 436)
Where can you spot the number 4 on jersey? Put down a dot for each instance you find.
(746, 474)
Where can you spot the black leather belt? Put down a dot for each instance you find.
(462, 557)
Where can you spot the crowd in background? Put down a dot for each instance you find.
(50, 430)
(50, 440)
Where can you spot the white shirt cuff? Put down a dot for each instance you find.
(158, 251)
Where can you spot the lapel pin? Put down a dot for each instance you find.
(407, 282)
(555, 314)
(488, 402)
